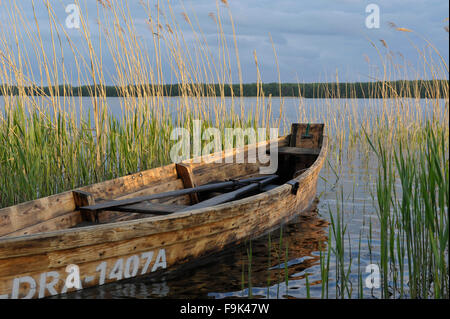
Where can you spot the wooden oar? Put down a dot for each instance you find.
(186, 191)
(149, 208)
(228, 197)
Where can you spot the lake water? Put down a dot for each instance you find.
(338, 113)
(346, 182)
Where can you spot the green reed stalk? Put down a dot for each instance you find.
(250, 255)
(338, 231)
(280, 252)
(269, 263)
(416, 224)
(286, 269)
(308, 292)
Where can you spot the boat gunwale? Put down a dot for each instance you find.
(130, 223)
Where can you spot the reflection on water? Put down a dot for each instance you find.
(276, 265)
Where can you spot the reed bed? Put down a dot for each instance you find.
(414, 224)
(52, 142)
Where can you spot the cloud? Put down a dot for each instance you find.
(312, 38)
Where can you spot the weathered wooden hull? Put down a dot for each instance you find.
(34, 265)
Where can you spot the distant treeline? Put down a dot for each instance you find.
(388, 89)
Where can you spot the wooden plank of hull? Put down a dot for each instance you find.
(229, 222)
(132, 183)
(158, 188)
(232, 171)
(31, 213)
(60, 222)
(230, 154)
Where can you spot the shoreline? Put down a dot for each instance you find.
(357, 90)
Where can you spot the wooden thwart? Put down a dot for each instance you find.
(82, 198)
(203, 188)
(298, 151)
(185, 173)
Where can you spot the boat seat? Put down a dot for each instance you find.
(82, 198)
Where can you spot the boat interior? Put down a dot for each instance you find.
(133, 196)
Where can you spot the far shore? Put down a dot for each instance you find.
(402, 88)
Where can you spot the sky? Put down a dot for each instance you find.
(314, 39)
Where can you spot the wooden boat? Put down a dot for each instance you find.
(124, 228)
